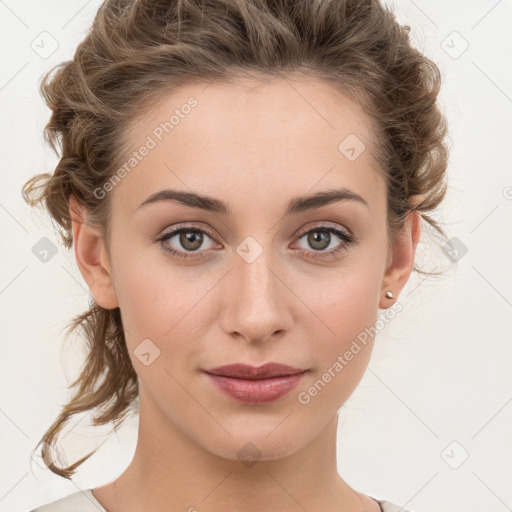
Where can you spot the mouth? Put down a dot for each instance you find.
(255, 385)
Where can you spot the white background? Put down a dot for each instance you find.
(440, 371)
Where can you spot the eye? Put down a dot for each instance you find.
(188, 239)
(320, 238)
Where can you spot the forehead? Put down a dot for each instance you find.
(251, 137)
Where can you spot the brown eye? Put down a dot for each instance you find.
(320, 238)
(188, 240)
(191, 240)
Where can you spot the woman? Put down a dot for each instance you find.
(243, 184)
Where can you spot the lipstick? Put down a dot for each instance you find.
(255, 385)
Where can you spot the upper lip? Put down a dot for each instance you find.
(245, 371)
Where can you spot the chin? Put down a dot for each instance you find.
(250, 445)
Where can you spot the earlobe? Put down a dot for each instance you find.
(91, 257)
(402, 261)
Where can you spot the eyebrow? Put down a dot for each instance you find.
(296, 205)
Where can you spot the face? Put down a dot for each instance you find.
(249, 279)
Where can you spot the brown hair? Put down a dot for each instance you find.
(138, 49)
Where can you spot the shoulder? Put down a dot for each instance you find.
(387, 506)
(81, 501)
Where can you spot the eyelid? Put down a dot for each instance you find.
(186, 225)
(326, 224)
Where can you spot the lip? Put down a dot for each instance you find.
(255, 385)
(246, 371)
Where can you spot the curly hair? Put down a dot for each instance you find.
(136, 50)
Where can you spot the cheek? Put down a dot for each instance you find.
(168, 305)
(345, 306)
(150, 292)
(342, 342)
(157, 306)
(343, 302)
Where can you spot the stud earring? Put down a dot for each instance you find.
(389, 294)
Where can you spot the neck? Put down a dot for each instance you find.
(169, 467)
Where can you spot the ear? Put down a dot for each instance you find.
(401, 259)
(91, 257)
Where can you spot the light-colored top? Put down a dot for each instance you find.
(84, 501)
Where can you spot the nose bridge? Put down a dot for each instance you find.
(253, 266)
(256, 303)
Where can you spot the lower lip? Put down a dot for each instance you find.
(256, 391)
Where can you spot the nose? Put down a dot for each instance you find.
(256, 301)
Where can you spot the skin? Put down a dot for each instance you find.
(255, 147)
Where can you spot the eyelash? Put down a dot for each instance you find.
(345, 237)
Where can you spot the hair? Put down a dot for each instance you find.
(137, 50)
